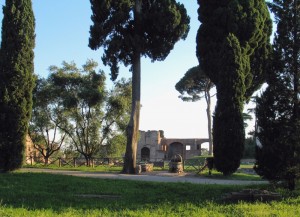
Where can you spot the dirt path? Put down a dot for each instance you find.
(153, 177)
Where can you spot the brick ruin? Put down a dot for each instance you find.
(153, 146)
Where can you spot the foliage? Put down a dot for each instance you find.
(19, 193)
(119, 103)
(204, 151)
(127, 30)
(120, 97)
(81, 94)
(90, 116)
(16, 80)
(46, 117)
(197, 85)
(228, 121)
(232, 49)
(249, 151)
(278, 155)
(162, 24)
(68, 150)
(116, 146)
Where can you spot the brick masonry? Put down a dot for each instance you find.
(153, 146)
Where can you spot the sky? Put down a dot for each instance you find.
(62, 34)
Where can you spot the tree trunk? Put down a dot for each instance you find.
(208, 113)
(46, 159)
(291, 181)
(133, 126)
(87, 160)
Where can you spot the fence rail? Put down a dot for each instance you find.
(73, 162)
(188, 164)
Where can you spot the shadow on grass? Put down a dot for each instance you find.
(235, 176)
(57, 192)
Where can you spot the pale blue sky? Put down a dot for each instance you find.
(62, 33)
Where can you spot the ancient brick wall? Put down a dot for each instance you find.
(153, 147)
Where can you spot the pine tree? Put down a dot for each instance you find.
(232, 47)
(128, 30)
(193, 86)
(278, 157)
(16, 80)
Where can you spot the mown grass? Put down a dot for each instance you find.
(101, 168)
(235, 176)
(33, 194)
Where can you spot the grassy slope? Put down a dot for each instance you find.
(27, 194)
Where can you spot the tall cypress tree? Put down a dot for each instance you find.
(278, 157)
(232, 47)
(16, 80)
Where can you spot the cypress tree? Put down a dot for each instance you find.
(228, 122)
(278, 156)
(232, 47)
(16, 80)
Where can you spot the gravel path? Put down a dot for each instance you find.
(153, 177)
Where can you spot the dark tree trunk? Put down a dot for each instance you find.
(208, 113)
(46, 159)
(87, 160)
(291, 182)
(133, 126)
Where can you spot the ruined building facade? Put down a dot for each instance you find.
(153, 146)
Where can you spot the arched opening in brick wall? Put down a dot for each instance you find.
(145, 154)
(176, 148)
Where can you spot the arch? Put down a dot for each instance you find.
(204, 148)
(145, 154)
(176, 148)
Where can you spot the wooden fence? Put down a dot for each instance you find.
(188, 164)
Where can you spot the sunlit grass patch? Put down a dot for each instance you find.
(43, 195)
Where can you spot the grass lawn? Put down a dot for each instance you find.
(101, 168)
(236, 176)
(34, 194)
